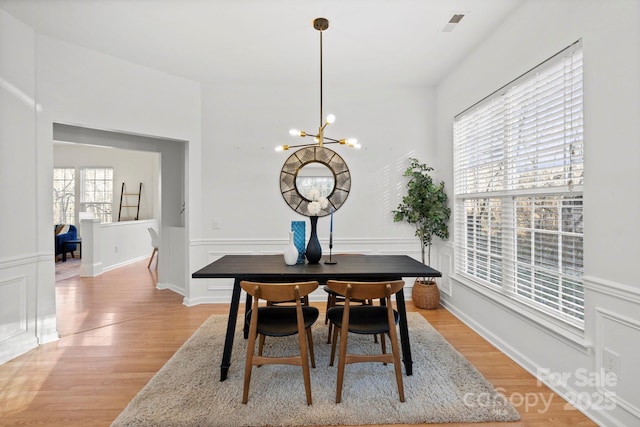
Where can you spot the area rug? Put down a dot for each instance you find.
(68, 269)
(444, 386)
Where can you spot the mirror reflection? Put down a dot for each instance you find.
(315, 168)
(317, 176)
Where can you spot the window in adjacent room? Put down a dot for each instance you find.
(518, 159)
(96, 192)
(64, 195)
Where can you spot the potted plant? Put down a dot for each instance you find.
(424, 206)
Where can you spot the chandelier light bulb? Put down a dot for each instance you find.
(331, 118)
(282, 148)
(294, 132)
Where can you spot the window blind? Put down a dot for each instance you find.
(96, 192)
(518, 176)
(64, 195)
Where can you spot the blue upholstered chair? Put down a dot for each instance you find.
(61, 236)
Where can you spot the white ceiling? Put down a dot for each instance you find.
(273, 41)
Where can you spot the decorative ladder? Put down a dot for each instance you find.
(123, 203)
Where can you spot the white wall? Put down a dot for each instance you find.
(74, 86)
(24, 263)
(129, 166)
(94, 91)
(245, 123)
(611, 35)
(122, 243)
(241, 190)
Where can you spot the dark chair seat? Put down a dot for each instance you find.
(278, 321)
(335, 299)
(365, 319)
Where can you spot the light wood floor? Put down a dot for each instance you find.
(117, 330)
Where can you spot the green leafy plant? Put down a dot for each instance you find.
(424, 206)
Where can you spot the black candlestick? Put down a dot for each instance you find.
(330, 261)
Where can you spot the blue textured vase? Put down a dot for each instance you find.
(314, 250)
(299, 229)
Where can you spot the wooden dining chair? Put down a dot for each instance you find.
(335, 299)
(279, 321)
(367, 320)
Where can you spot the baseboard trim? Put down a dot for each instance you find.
(600, 417)
(16, 346)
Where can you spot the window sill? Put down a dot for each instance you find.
(570, 334)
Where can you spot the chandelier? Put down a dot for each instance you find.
(320, 139)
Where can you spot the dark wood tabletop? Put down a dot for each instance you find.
(273, 267)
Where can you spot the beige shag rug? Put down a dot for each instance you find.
(444, 386)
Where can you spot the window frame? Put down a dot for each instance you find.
(101, 209)
(69, 192)
(503, 280)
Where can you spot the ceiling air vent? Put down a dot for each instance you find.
(453, 21)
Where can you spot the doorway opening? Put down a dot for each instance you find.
(158, 163)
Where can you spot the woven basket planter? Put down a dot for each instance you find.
(425, 295)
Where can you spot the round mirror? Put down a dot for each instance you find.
(315, 176)
(315, 168)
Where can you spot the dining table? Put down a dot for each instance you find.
(272, 268)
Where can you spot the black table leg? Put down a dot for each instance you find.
(404, 333)
(231, 328)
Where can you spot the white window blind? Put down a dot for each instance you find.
(96, 192)
(64, 195)
(518, 160)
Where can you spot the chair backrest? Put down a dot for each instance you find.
(278, 292)
(365, 290)
(70, 229)
(155, 239)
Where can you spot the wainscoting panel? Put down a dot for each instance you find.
(17, 307)
(613, 313)
(618, 368)
(13, 320)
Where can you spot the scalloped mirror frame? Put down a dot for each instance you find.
(301, 158)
